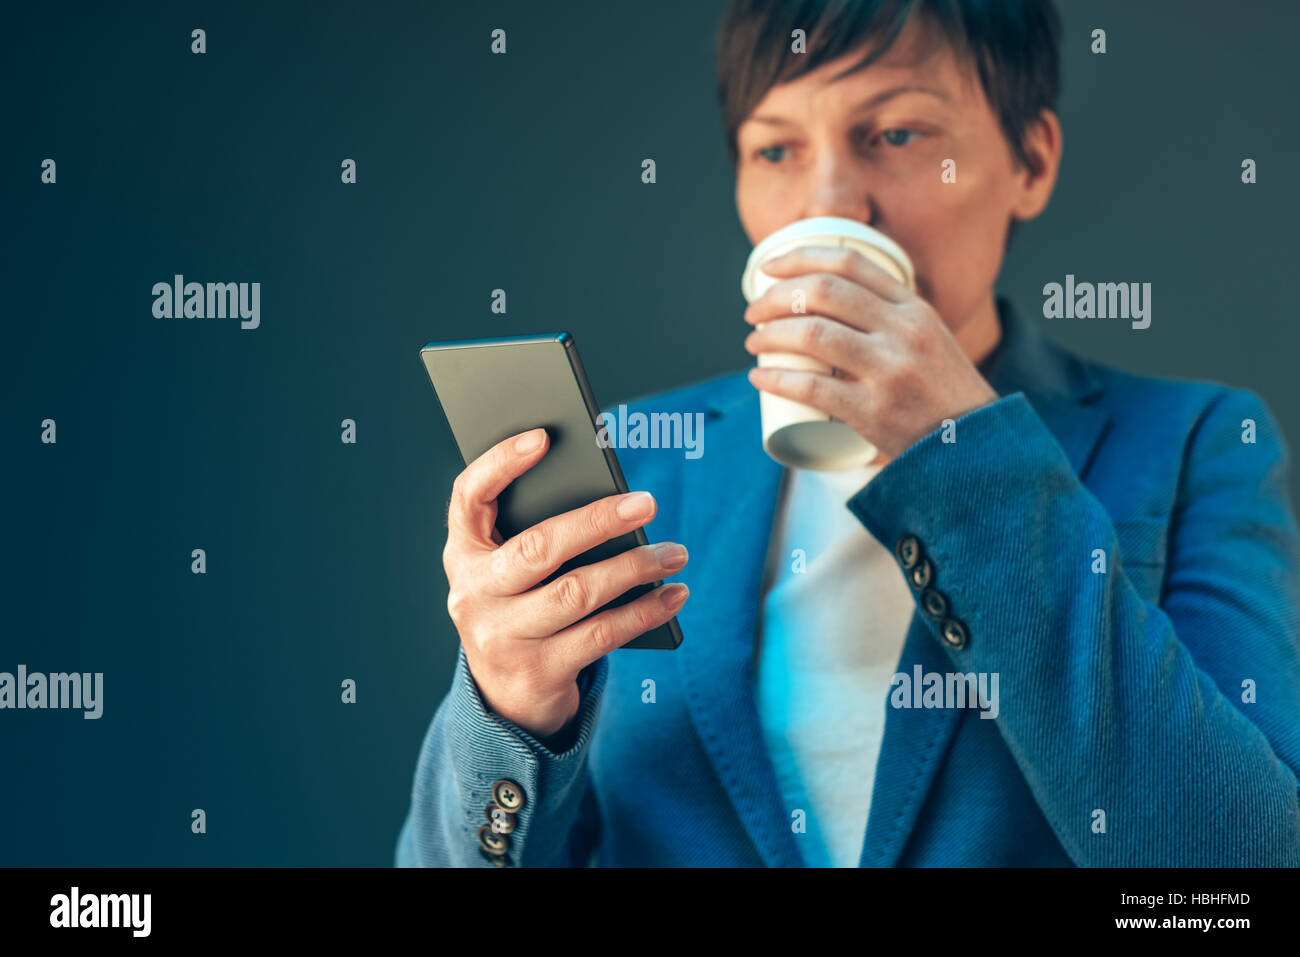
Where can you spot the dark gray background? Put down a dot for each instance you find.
(475, 172)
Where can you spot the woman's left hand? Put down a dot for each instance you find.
(900, 371)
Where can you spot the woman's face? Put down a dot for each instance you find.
(872, 147)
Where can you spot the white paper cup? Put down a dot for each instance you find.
(794, 434)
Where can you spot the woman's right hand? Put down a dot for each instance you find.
(526, 645)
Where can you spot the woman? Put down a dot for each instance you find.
(1109, 561)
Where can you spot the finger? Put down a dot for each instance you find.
(581, 644)
(839, 261)
(536, 552)
(823, 294)
(472, 512)
(576, 594)
(834, 343)
(837, 398)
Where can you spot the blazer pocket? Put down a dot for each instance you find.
(1142, 544)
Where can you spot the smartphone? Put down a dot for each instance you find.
(491, 389)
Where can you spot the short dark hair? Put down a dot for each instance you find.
(1014, 45)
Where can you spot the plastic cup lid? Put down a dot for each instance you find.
(830, 231)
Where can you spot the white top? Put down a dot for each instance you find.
(831, 631)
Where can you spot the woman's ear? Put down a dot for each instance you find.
(1033, 184)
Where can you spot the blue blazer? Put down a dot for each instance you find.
(1149, 713)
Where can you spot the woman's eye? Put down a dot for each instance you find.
(767, 150)
(898, 137)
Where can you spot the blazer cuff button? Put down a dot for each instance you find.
(954, 633)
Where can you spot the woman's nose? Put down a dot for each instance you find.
(857, 212)
(838, 188)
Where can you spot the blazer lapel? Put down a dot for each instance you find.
(914, 744)
(730, 497)
(1057, 385)
(729, 503)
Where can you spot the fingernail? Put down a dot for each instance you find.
(634, 505)
(529, 441)
(674, 594)
(670, 556)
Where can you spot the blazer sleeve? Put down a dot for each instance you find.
(467, 749)
(1180, 721)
